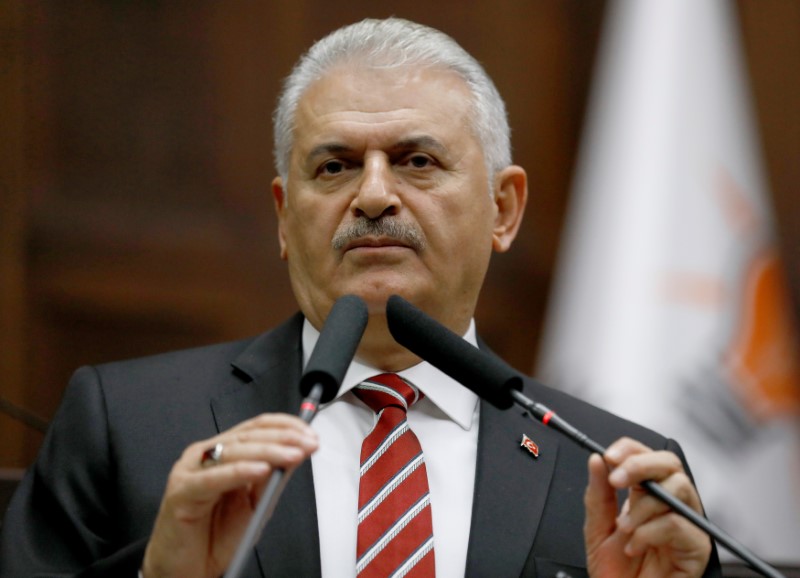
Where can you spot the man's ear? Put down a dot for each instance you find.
(279, 196)
(510, 197)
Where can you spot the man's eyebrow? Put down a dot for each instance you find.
(329, 148)
(424, 142)
(420, 142)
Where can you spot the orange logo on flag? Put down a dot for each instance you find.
(765, 348)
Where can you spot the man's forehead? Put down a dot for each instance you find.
(398, 104)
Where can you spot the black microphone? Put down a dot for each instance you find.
(320, 382)
(501, 385)
(487, 376)
(335, 347)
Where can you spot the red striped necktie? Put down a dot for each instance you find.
(395, 530)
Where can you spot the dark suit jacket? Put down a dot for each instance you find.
(86, 507)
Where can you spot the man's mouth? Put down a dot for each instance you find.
(375, 243)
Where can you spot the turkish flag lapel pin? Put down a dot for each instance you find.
(529, 445)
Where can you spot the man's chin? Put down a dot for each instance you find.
(376, 299)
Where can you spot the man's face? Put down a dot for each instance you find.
(379, 147)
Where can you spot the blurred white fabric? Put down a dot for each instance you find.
(669, 306)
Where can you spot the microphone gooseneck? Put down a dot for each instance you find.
(320, 383)
(501, 385)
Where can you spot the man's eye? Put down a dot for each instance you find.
(420, 161)
(332, 168)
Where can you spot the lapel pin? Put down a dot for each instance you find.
(529, 445)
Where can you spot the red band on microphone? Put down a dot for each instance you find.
(547, 417)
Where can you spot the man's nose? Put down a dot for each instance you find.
(377, 189)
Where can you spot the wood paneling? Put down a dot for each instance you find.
(137, 159)
(13, 227)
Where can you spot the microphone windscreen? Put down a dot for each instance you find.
(335, 347)
(488, 376)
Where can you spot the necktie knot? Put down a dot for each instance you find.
(387, 389)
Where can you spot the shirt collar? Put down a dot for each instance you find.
(455, 400)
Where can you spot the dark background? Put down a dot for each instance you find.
(135, 158)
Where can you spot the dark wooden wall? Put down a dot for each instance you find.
(136, 158)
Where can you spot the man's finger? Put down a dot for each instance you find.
(600, 500)
(644, 507)
(681, 537)
(637, 468)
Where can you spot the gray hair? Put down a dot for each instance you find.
(389, 43)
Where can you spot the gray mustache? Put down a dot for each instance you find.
(387, 227)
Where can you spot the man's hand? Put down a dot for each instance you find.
(205, 511)
(645, 539)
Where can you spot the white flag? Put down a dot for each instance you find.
(669, 306)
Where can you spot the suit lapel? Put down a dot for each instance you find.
(268, 374)
(504, 527)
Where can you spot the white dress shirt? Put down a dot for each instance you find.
(446, 423)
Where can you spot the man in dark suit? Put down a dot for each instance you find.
(393, 153)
